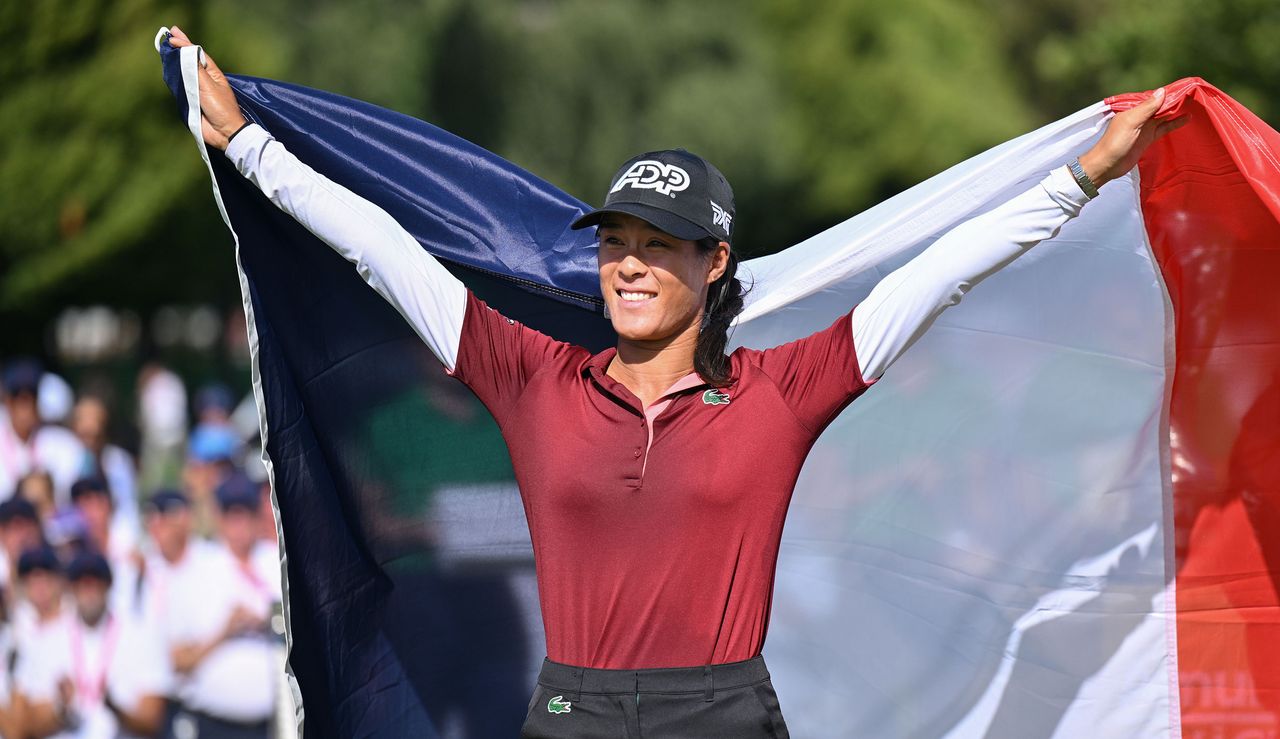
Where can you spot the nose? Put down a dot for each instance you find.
(631, 267)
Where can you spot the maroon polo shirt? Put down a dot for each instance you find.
(655, 542)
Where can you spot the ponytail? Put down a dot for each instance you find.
(724, 303)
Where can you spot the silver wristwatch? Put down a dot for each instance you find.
(1082, 179)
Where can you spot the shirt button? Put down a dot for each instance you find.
(637, 452)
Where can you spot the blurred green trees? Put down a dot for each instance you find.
(814, 111)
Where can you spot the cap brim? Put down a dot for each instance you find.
(681, 228)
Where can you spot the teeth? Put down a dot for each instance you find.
(633, 296)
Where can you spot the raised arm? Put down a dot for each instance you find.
(389, 259)
(907, 301)
(903, 305)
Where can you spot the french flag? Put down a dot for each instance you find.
(1057, 515)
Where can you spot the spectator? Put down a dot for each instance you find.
(214, 405)
(19, 531)
(39, 610)
(219, 626)
(100, 674)
(174, 555)
(25, 444)
(210, 460)
(36, 487)
(90, 420)
(162, 416)
(93, 499)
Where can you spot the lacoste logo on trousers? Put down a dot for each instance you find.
(559, 705)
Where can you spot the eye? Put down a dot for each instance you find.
(657, 244)
(611, 240)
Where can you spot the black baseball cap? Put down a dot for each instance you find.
(40, 557)
(22, 376)
(238, 491)
(679, 192)
(92, 485)
(89, 563)
(165, 501)
(16, 508)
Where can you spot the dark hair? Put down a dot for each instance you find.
(724, 303)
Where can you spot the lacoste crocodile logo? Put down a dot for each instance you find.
(715, 397)
(559, 705)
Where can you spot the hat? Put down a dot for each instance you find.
(679, 192)
(40, 557)
(214, 395)
(212, 443)
(18, 507)
(22, 376)
(238, 491)
(166, 501)
(89, 564)
(89, 486)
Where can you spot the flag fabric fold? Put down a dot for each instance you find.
(1055, 514)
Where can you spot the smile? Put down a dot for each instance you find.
(635, 296)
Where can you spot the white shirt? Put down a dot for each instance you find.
(27, 626)
(162, 409)
(122, 477)
(126, 594)
(117, 656)
(51, 448)
(892, 317)
(238, 679)
(161, 576)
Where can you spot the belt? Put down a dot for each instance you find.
(672, 680)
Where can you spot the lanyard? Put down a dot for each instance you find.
(259, 585)
(91, 687)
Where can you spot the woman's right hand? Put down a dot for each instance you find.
(219, 112)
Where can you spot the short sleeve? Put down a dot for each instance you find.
(497, 356)
(818, 375)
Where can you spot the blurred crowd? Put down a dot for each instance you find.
(141, 595)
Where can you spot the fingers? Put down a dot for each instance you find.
(177, 38)
(1143, 111)
(212, 68)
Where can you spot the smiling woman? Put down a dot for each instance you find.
(667, 271)
(656, 569)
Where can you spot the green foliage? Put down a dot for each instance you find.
(1075, 51)
(600, 82)
(94, 160)
(814, 110)
(884, 95)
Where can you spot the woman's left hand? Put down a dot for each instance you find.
(1127, 136)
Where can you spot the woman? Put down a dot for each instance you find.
(654, 529)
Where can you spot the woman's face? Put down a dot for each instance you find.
(654, 284)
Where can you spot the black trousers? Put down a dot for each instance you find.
(734, 701)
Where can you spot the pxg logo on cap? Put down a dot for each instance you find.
(649, 174)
